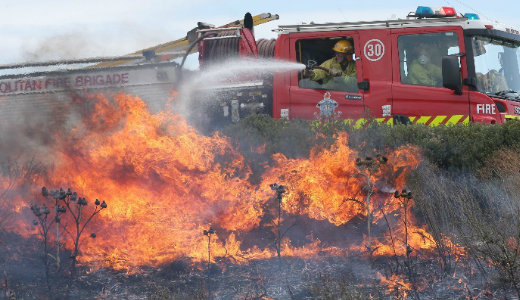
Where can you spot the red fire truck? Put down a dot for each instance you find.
(432, 67)
(471, 72)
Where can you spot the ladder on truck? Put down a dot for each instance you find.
(170, 50)
(178, 48)
(399, 23)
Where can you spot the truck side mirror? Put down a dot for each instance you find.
(451, 77)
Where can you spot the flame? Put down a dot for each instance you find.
(165, 184)
(320, 186)
(395, 285)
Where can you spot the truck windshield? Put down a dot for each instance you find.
(497, 65)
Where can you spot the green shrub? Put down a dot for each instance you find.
(460, 147)
(293, 139)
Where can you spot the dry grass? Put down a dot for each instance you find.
(13, 177)
(329, 287)
(481, 212)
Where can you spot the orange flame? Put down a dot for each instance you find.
(165, 184)
(395, 285)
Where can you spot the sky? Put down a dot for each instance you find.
(35, 30)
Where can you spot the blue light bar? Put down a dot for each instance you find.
(424, 12)
(471, 16)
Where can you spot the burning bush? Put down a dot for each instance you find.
(168, 184)
(14, 177)
(450, 148)
(62, 209)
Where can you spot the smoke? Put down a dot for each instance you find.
(115, 40)
(155, 170)
(30, 125)
(66, 45)
(223, 78)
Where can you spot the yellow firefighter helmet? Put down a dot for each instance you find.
(343, 46)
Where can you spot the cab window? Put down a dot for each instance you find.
(330, 64)
(420, 57)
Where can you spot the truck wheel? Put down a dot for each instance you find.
(400, 119)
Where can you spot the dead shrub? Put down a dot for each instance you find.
(481, 213)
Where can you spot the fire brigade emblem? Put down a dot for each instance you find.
(327, 106)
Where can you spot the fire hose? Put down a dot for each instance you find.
(266, 48)
(324, 69)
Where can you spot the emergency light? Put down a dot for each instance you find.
(471, 16)
(430, 12)
(447, 11)
(424, 12)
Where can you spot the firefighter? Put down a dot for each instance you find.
(423, 70)
(496, 82)
(493, 81)
(342, 66)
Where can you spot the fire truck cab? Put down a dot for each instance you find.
(434, 67)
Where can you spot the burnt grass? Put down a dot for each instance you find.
(349, 276)
(466, 189)
(328, 277)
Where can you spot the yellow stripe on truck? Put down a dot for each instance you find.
(423, 120)
(359, 123)
(437, 120)
(387, 121)
(454, 120)
(355, 123)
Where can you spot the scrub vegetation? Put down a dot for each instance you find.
(457, 149)
(466, 188)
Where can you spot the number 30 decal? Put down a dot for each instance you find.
(374, 50)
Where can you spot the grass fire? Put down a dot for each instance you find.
(103, 199)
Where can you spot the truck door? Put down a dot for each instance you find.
(418, 94)
(314, 50)
(376, 85)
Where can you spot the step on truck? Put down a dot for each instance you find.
(432, 67)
